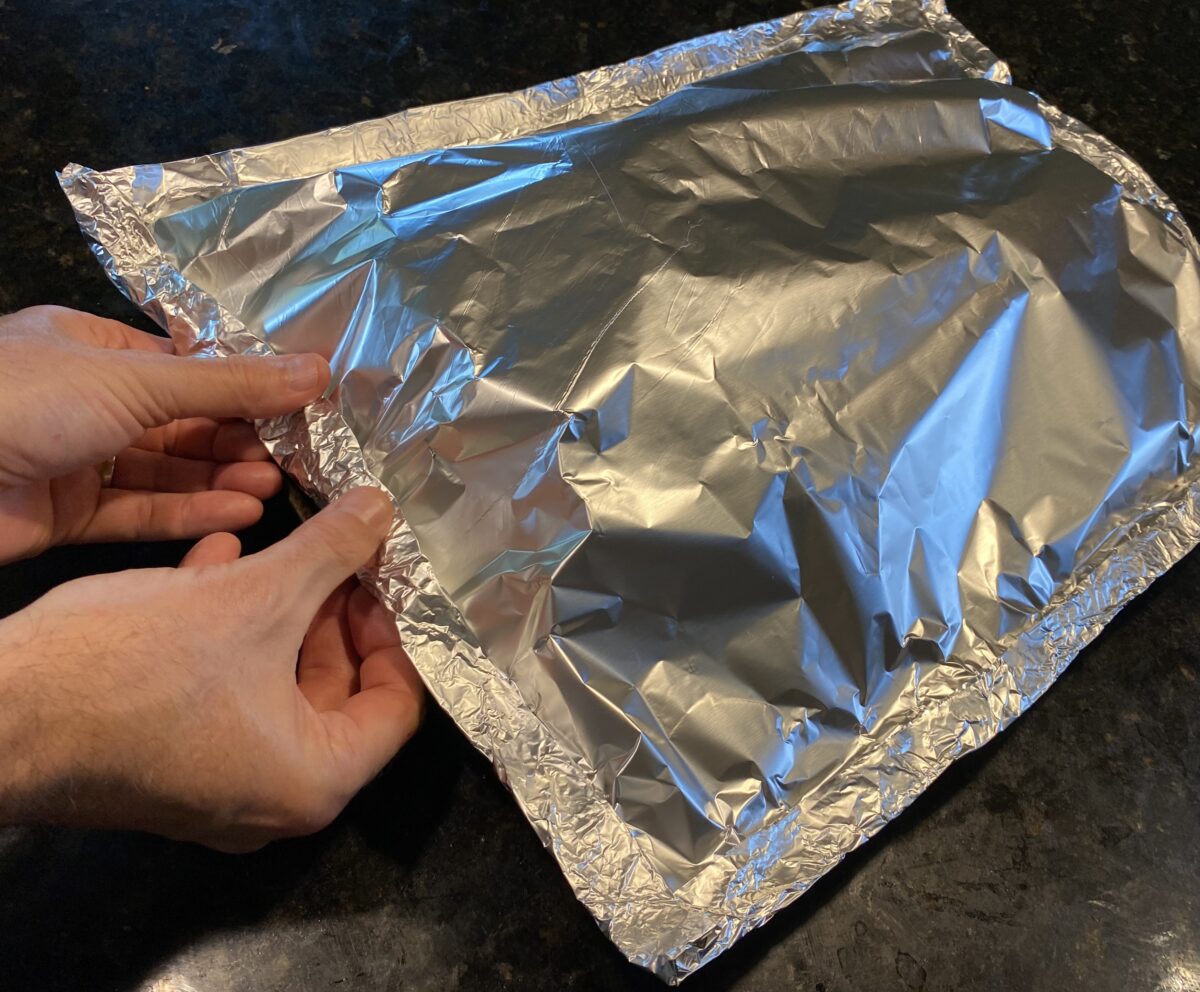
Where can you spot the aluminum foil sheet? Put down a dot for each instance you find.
(771, 419)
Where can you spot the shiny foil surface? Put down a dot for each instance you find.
(770, 420)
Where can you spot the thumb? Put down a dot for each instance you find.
(250, 387)
(325, 550)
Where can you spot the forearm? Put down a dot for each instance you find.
(60, 754)
(25, 775)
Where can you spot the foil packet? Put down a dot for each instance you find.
(770, 420)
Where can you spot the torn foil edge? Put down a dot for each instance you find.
(671, 933)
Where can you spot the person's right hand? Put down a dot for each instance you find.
(229, 701)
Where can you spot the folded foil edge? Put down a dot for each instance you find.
(660, 930)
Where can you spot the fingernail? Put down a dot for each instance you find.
(303, 372)
(371, 506)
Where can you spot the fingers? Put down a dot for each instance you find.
(170, 388)
(216, 549)
(370, 623)
(328, 670)
(122, 515)
(372, 725)
(328, 548)
(137, 469)
(200, 437)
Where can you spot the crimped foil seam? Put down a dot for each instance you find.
(778, 863)
(1136, 183)
(667, 932)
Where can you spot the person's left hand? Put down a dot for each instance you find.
(76, 389)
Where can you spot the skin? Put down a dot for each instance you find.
(230, 701)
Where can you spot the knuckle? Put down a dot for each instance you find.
(138, 388)
(149, 517)
(33, 315)
(339, 539)
(170, 436)
(46, 313)
(246, 377)
(41, 322)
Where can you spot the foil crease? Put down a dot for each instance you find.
(771, 419)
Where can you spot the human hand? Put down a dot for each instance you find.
(229, 701)
(76, 390)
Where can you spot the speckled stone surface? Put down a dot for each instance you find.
(1065, 855)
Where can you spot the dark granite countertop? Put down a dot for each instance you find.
(1065, 855)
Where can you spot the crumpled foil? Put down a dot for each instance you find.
(771, 419)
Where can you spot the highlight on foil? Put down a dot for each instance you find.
(770, 420)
